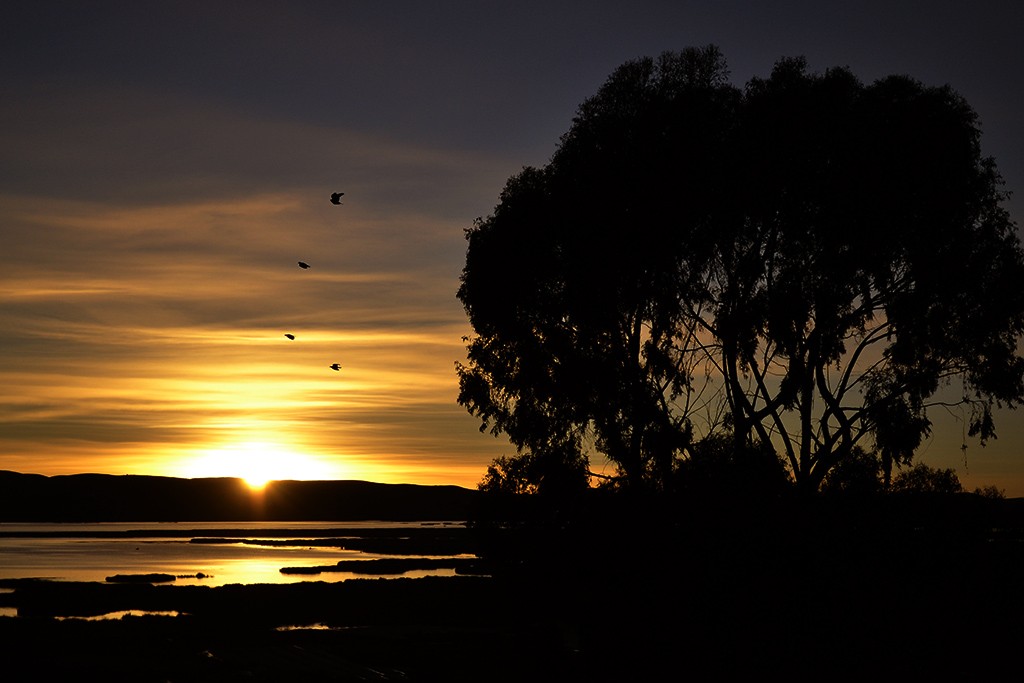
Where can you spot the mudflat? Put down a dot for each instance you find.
(390, 630)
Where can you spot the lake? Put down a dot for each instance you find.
(92, 552)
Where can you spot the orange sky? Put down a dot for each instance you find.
(151, 339)
(165, 167)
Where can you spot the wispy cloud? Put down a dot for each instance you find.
(146, 306)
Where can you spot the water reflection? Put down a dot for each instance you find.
(92, 552)
(317, 627)
(123, 613)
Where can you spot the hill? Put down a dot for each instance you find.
(138, 498)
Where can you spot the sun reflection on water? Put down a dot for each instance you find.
(123, 613)
(192, 564)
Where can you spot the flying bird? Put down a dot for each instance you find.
(303, 264)
(290, 336)
(336, 197)
(335, 366)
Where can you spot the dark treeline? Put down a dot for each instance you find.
(135, 498)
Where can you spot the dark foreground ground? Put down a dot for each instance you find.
(846, 600)
(382, 630)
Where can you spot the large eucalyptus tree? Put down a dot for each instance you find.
(811, 259)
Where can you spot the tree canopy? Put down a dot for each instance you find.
(808, 264)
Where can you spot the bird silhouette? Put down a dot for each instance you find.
(336, 197)
(335, 366)
(303, 264)
(290, 336)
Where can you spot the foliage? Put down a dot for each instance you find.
(714, 467)
(508, 475)
(807, 263)
(551, 473)
(860, 473)
(991, 492)
(921, 478)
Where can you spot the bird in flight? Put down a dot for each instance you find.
(303, 264)
(335, 366)
(336, 197)
(290, 336)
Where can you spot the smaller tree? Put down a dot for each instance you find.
(858, 474)
(714, 468)
(992, 492)
(508, 475)
(924, 479)
(554, 473)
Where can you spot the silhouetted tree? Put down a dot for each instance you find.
(546, 474)
(817, 255)
(991, 492)
(714, 468)
(860, 473)
(920, 478)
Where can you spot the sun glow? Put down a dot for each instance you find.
(259, 462)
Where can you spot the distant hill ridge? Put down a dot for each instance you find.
(142, 498)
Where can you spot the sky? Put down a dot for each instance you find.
(165, 165)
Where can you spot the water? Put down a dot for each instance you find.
(92, 552)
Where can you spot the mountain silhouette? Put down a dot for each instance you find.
(138, 498)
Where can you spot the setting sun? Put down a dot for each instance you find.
(259, 462)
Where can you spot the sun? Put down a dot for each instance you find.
(262, 464)
(259, 462)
